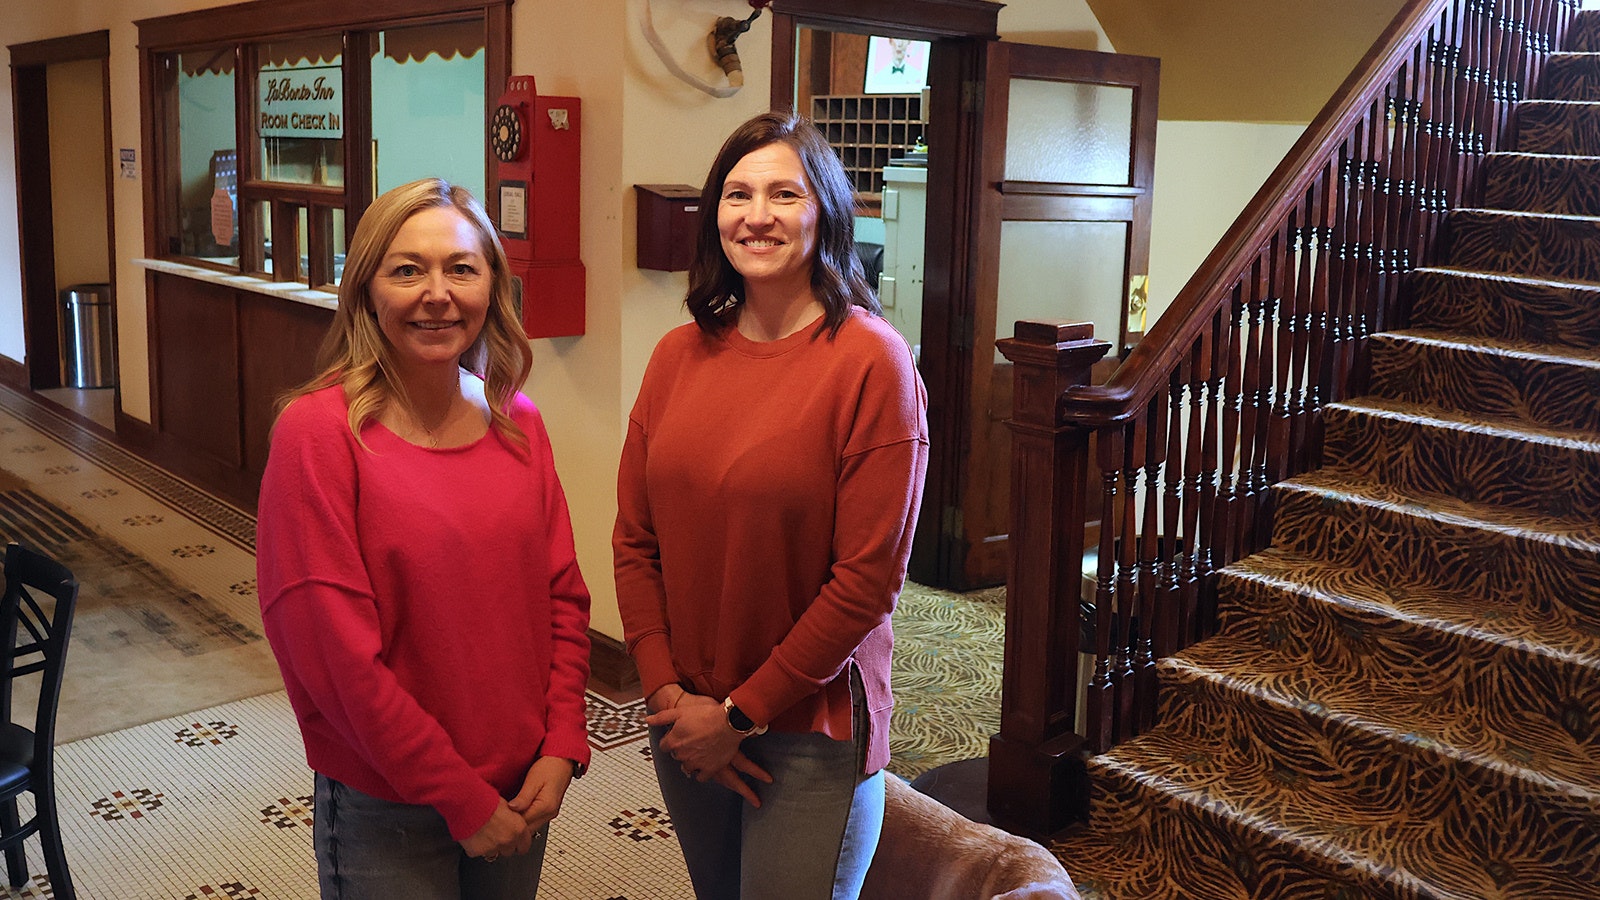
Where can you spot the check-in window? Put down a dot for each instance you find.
(266, 150)
(299, 111)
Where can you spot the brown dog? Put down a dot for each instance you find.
(930, 852)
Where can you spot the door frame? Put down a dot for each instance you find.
(987, 458)
(41, 314)
(959, 30)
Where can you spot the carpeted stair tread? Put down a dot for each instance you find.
(1558, 126)
(1415, 618)
(1583, 32)
(1333, 483)
(1107, 865)
(1542, 182)
(1570, 76)
(1504, 305)
(1504, 426)
(1527, 243)
(1552, 471)
(1533, 570)
(1427, 716)
(1338, 822)
(1549, 386)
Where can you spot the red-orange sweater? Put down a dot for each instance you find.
(425, 607)
(766, 500)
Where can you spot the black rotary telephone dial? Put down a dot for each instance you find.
(505, 133)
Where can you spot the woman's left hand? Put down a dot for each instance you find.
(699, 737)
(542, 791)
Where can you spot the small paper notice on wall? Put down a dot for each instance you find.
(130, 165)
(221, 217)
(513, 209)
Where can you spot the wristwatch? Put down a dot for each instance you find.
(740, 722)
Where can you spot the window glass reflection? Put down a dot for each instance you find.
(428, 105)
(207, 183)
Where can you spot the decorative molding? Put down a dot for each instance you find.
(13, 374)
(610, 664)
(92, 45)
(910, 18)
(262, 18)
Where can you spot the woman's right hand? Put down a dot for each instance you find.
(505, 834)
(664, 697)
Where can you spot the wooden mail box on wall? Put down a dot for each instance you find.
(668, 224)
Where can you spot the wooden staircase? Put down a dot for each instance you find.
(1402, 697)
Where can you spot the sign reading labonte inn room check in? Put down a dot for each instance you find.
(301, 102)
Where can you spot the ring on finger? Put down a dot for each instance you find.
(490, 857)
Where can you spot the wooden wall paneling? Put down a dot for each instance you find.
(198, 356)
(278, 342)
(847, 63)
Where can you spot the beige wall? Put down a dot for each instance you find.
(1246, 60)
(78, 172)
(1205, 174)
(1053, 23)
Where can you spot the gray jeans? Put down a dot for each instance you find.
(371, 849)
(813, 837)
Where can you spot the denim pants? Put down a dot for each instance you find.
(371, 849)
(812, 838)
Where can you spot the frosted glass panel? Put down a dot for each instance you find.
(1062, 270)
(1069, 132)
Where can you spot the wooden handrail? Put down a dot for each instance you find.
(1145, 370)
(1172, 459)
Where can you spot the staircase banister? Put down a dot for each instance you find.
(1147, 368)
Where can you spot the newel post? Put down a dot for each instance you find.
(1037, 781)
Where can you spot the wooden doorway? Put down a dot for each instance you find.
(1062, 180)
(960, 539)
(61, 101)
(956, 31)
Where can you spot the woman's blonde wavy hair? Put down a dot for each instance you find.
(357, 355)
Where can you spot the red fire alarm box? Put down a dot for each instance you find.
(535, 140)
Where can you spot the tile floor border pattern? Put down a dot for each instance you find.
(217, 803)
(215, 515)
(200, 541)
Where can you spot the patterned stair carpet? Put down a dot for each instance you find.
(1403, 698)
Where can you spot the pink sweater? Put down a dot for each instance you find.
(425, 607)
(766, 500)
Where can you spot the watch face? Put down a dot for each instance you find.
(738, 719)
(505, 133)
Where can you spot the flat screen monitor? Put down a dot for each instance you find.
(896, 66)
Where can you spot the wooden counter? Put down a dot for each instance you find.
(223, 348)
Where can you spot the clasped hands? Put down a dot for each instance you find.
(510, 831)
(699, 738)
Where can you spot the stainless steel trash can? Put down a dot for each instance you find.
(86, 336)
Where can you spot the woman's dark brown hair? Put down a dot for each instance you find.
(715, 287)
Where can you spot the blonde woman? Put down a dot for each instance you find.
(417, 574)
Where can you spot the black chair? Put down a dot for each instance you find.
(35, 622)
